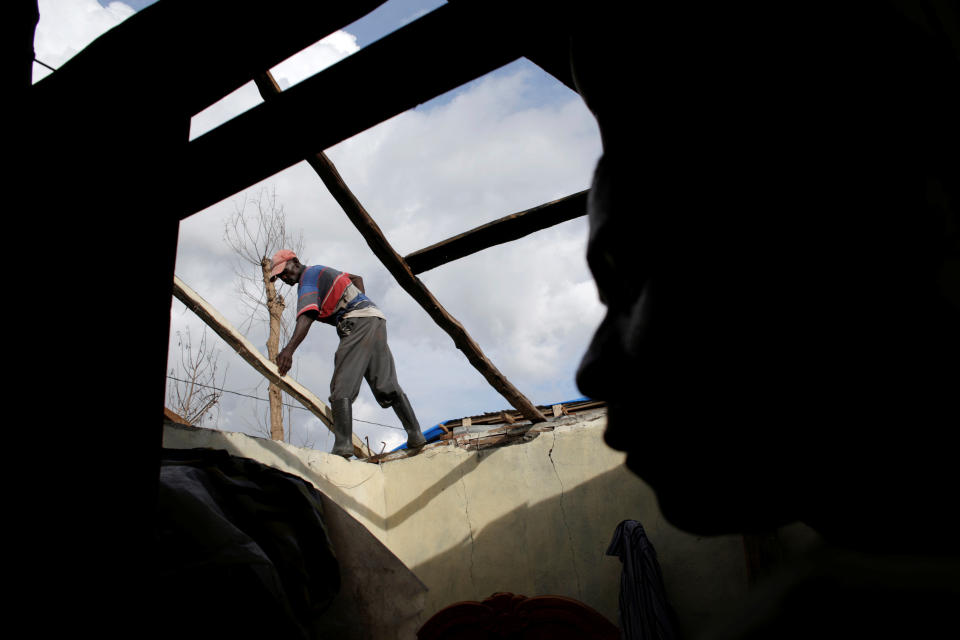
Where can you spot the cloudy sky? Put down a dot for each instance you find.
(511, 140)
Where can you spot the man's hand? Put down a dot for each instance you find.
(284, 361)
(285, 357)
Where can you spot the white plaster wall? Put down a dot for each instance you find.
(532, 519)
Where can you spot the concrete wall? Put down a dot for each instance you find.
(532, 519)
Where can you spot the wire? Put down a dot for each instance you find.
(292, 406)
(43, 64)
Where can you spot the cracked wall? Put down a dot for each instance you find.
(532, 519)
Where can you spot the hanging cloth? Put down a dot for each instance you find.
(645, 613)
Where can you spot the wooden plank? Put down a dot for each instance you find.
(245, 349)
(506, 229)
(439, 52)
(378, 243)
(160, 44)
(172, 415)
(584, 406)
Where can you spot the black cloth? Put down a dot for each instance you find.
(645, 613)
(241, 547)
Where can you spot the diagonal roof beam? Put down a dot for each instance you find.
(439, 52)
(398, 268)
(156, 50)
(506, 229)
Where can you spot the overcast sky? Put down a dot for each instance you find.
(506, 142)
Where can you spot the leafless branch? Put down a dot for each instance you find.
(256, 230)
(195, 393)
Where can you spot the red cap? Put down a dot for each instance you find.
(280, 261)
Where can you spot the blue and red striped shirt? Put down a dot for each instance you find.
(330, 293)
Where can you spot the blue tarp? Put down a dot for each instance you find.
(431, 434)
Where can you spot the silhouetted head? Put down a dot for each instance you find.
(770, 226)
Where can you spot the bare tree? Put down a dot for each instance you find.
(193, 391)
(261, 422)
(256, 230)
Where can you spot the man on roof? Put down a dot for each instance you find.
(338, 299)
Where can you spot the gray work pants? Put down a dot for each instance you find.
(363, 353)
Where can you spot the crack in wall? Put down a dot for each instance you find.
(466, 509)
(563, 513)
(386, 512)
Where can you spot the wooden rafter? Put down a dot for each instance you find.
(436, 53)
(506, 229)
(395, 264)
(231, 39)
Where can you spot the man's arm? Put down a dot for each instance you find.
(358, 282)
(285, 357)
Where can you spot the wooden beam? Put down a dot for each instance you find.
(549, 48)
(554, 58)
(444, 49)
(160, 45)
(239, 343)
(395, 264)
(173, 416)
(506, 229)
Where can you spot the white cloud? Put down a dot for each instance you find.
(315, 58)
(486, 153)
(66, 27)
(227, 108)
(531, 304)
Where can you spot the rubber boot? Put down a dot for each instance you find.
(404, 411)
(342, 427)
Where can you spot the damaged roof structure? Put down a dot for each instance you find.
(287, 119)
(118, 164)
